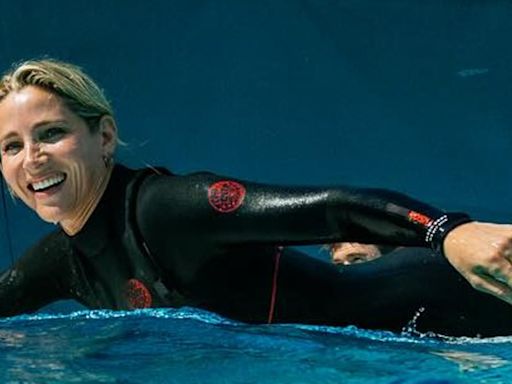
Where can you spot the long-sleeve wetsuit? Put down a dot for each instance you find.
(216, 243)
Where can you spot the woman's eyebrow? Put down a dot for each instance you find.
(40, 124)
(8, 136)
(47, 122)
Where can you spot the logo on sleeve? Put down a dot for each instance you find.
(138, 295)
(416, 217)
(226, 196)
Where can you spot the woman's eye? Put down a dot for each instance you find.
(52, 134)
(11, 148)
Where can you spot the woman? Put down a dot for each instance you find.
(145, 238)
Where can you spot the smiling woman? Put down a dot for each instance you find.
(146, 238)
(52, 144)
(50, 156)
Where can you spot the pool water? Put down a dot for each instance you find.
(193, 346)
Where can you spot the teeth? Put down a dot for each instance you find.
(48, 182)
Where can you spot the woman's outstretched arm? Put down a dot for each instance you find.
(209, 210)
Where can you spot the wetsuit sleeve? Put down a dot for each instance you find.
(36, 279)
(222, 211)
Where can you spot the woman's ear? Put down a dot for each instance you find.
(108, 132)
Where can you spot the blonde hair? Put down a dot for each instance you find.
(78, 91)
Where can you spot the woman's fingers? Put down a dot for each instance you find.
(493, 286)
(499, 267)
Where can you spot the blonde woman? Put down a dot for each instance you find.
(146, 238)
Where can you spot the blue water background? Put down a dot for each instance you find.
(411, 95)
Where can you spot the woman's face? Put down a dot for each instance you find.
(50, 159)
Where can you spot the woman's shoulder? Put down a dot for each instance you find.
(158, 195)
(158, 180)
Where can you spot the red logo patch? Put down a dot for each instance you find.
(419, 218)
(226, 196)
(138, 295)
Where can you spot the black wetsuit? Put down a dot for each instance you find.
(216, 243)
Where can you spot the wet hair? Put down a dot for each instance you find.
(78, 91)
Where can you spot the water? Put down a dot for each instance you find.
(192, 346)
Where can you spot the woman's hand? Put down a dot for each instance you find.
(482, 253)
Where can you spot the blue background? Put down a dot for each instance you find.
(409, 95)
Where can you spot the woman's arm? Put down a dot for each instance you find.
(212, 211)
(226, 211)
(35, 280)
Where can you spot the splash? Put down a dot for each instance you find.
(160, 313)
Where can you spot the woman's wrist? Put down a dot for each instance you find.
(438, 230)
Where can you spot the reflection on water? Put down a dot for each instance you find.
(471, 361)
(54, 352)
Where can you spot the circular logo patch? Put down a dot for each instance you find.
(138, 295)
(226, 196)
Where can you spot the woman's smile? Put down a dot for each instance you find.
(47, 186)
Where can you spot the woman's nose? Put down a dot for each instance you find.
(34, 157)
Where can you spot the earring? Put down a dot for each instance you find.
(107, 160)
